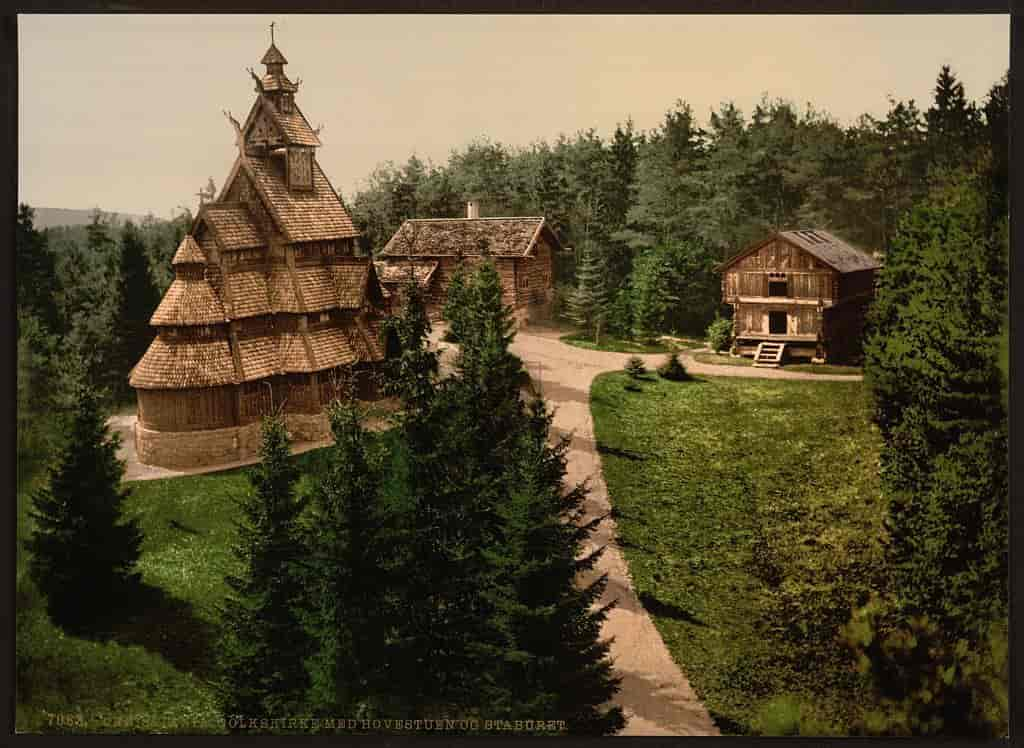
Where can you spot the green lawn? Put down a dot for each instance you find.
(620, 345)
(720, 359)
(148, 675)
(750, 515)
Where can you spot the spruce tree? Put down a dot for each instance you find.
(455, 303)
(349, 575)
(137, 300)
(588, 302)
(83, 550)
(263, 646)
(564, 672)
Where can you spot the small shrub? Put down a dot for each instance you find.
(635, 367)
(719, 334)
(673, 369)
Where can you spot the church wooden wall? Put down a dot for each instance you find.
(187, 410)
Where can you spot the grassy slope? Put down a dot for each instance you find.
(749, 512)
(148, 677)
(620, 345)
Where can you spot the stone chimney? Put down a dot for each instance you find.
(472, 209)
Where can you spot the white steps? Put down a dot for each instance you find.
(769, 355)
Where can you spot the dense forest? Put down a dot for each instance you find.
(647, 215)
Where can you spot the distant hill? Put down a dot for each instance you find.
(47, 217)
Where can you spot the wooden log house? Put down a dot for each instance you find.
(270, 310)
(799, 294)
(522, 249)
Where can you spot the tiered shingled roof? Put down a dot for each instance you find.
(302, 216)
(232, 224)
(184, 364)
(438, 237)
(206, 294)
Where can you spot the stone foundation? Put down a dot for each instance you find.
(179, 450)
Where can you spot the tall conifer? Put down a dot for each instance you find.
(83, 550)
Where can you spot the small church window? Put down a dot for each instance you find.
(778, 287)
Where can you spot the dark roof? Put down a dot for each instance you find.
(316, 215)
(435, 237)
(831, 250)
(273, 56)
(232, 224)
(826, 247)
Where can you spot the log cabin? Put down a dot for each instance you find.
(799, 295)
(522, 249)
(270, 309)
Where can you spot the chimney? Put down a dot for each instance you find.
(472, 209)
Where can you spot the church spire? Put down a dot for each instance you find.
(274, 79)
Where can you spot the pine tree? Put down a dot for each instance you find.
(263, 647)
(588, 303)
(138, 299)
(84, 551)
(564, 672)
(349, 575)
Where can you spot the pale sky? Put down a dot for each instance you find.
(123, 112)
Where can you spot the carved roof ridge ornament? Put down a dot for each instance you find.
(239, 140)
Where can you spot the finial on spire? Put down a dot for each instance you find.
(271, 32)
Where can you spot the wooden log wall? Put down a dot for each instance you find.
(188, 409)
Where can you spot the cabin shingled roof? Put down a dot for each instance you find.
(436, 237)
(395, 272)
(824, 246)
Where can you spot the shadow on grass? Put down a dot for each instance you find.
(729, 726)
(626, 454)
(162, 624)
(656, 607)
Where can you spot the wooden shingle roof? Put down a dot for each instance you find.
(184, 364)
(189, 302)
(396, 272)
(438, 237)
(188, 253)
(273, 56)
(831, 250)
(350, 279)
(260, 356)
(828, 248)
(250, 295)
(332, 347)
(232, 224)
(316, 215)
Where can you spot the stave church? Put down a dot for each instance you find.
(271, 309)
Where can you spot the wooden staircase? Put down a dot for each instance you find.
(769, 355)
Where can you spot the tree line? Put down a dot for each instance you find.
(434, 577)
(648, 215)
